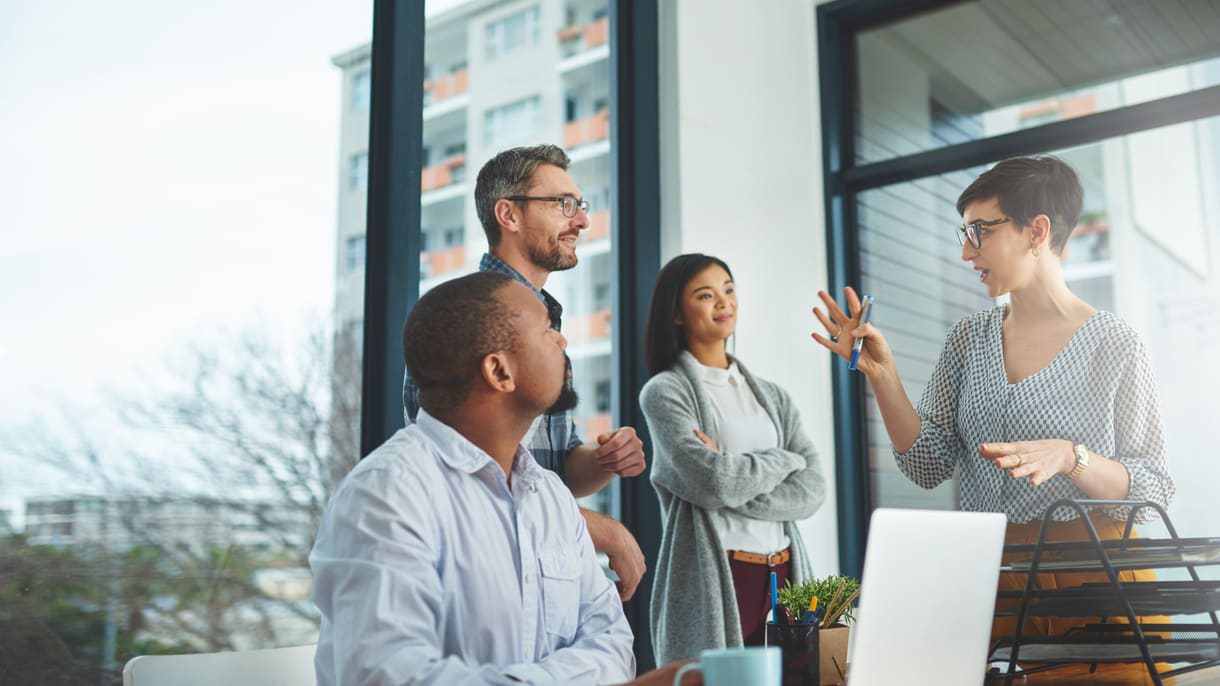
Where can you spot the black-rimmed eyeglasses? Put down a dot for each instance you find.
(567, 203)
(974, 231)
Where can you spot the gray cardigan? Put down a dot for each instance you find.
(694, 604)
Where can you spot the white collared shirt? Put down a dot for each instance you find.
(428, 569)
(742, 425)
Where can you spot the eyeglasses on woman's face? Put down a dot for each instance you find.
(975, 230)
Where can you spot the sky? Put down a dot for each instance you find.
(169, 173)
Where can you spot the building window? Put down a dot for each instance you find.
(511, 123)
(601, 395)
(358, 172)
(454, 237)
(354, 253)
(362, 90)
(512, 32)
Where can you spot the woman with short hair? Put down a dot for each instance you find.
(1036, 400)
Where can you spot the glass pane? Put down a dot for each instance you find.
(177, 398)
(510, 74)
(1144, 248)
(985, 68)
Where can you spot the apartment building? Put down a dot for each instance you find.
(497, 75)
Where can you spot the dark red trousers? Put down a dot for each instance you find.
(753, 585)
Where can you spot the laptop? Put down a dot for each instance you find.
(927, 598)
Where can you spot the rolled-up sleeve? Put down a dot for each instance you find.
(932, 458)
(1139, 441)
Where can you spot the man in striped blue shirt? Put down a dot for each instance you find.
(533, 214)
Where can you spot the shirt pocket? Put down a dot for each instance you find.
(560, 570)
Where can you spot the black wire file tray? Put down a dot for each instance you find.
(1118, 637)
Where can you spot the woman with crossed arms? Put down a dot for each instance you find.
(1041, 399)
(731, 465)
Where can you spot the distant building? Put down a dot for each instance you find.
(122, 521)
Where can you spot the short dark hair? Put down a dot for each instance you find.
(448, 333)
(664, 340)
(510, 173)
(1028, 186)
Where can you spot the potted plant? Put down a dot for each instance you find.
(836, 596)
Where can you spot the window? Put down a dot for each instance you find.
(457, 240)
(141, 530)
(949, 109)
(984, 60)
(602, 396)
(354, 253)
(362, 90)
(512, 32)
(358, 172)
(512, 123)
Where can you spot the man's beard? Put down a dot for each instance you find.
(567, 399)
(550, 257)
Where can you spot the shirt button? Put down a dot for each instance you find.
(529, 579)
(529, 653)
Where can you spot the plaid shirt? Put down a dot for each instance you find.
(554, 435)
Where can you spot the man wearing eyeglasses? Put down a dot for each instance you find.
(532, 213)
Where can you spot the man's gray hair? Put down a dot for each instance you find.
(510, 173)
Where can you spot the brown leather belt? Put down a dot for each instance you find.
(756, 559)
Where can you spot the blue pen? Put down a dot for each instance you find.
(774, 599)
(865, 310)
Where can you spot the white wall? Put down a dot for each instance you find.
(741, 180)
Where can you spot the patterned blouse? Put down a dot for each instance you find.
(1099, 390)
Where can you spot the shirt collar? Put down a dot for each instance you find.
(460, 454)
(715, 375)
(491, 263)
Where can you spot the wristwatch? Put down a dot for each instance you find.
(1082, 460)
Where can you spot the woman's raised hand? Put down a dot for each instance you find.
(843, 329)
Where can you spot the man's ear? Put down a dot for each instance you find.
(508, 215)
(497, 373)
(1040, 232)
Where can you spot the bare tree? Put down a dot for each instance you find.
(252, 435)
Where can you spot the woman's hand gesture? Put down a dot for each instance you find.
(842, 329)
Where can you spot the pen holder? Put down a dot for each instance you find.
(800, 651)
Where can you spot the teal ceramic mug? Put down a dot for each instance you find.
(737, 667)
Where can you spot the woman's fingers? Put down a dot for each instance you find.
(832, 307)
(832, 346)
(853, 301)
(831, 328)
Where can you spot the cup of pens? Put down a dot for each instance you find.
(813, 641)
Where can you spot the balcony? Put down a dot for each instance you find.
(588, 327)
(437, 90)
(595, 425)
(443, 174)
(599, 225)
(581, 38)
(588, 130)
(436, 262)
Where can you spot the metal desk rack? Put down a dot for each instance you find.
(1094, 643)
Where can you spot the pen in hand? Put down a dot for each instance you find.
(866, 308)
